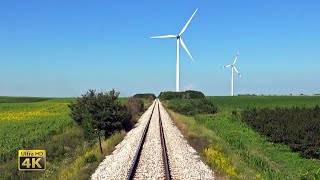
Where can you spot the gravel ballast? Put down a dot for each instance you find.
(184, 161)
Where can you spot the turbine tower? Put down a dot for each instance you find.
(179, 40)
(233, 68)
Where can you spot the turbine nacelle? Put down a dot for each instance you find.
(233, 64)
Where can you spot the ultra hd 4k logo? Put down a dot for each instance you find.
(31, 160)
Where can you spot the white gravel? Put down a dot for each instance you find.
(151, 164)
(117, 165)
(184, 161)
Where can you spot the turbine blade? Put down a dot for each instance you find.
(165, 36)
(235, 59)
(185, 48)
(185, 26)
(227, 66)
(237, 71)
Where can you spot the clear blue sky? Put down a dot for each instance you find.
(62, 48)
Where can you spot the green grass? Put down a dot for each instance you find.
(84, 164)
(201, 137)
(123, 99)
(44, 123)
(25, 123)
(248, 152)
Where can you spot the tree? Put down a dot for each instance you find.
(101, 111)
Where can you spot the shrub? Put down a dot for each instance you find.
(136, 105)
(181, 95)
(296, 127)
(150, 100)
(101, 111)
(192, 107)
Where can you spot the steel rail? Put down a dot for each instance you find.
(133, 168)
(164, 149)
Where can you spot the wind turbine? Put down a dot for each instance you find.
(179, 40)
(233, 68)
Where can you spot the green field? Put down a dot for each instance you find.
(26, 121)
(237, 151)
(45, 123)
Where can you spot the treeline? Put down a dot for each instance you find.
(296, 127)
(145, 96)
(5, 99)
(247, 95)
(181, 95)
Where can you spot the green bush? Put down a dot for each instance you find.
(296, 127)
(192, 107)
(193, 95)
(181, 95)
(101, 111)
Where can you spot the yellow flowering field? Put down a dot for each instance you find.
(40, 109)
(23, 123)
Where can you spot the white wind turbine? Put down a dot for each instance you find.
(179, 40)
(233, 68)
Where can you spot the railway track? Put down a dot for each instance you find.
(153, 149)
(151, 159)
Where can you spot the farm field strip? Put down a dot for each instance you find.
(243, 102)
(27, 113)
(24, 123)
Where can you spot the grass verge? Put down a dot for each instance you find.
(69, 156)
(235, 151)
(85, 164)
(201, 138)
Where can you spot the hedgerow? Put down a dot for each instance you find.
(192, 107)
(297, 127)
